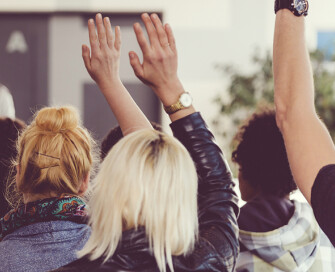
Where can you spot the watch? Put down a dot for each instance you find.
(297, 7)
(185, 101)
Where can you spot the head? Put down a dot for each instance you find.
(261, 156)
(54, 155)
(9, 132)
(114, 135)
(6, 103)
(148, 179)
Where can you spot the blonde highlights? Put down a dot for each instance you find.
(148, 179)
(54, 153)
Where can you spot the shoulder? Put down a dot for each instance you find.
(209, 254)
(52, 230)
(265, 213)
(324, 184)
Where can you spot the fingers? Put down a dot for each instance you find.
(86, 56)
(158, 34)
(109, 32)
(117, 43)
(102, 63)
(105, 37)
(136, 64)
(170, 37)
(152, 33)
(142, 41)
(163, 39)
(101, 31)
(93, 36)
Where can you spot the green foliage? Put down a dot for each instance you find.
(246, 91)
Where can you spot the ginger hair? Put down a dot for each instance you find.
(54, 153)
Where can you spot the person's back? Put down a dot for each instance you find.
(299, 245)
(53, 164)
(276, 234)
(215, 248)
(9, 132)
(42, 246)
(310, 147)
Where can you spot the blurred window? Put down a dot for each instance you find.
(326, 43)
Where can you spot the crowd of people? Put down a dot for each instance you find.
(155, 202)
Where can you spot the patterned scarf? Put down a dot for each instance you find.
(69, 208)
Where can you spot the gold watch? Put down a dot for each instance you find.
(184, 101)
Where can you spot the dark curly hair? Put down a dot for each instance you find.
(9, 132)
(260, 152)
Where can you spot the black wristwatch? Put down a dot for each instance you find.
(297, 7)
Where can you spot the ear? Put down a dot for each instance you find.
(84, 185)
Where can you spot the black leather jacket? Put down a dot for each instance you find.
(217, 247)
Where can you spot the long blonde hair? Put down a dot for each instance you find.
(54, 153)
(147, 179)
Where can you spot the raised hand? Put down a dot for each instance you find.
(159, 67)
(104, 61)
(103, 66)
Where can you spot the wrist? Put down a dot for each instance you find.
(182, 113)
(110, 84)
(169, 93)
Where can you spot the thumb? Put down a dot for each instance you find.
(136, 64)
(86, 56)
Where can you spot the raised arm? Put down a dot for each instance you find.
(103, 66)
(218, 247)
(308, 143)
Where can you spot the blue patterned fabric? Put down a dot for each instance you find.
(70, 208)
(43, 235)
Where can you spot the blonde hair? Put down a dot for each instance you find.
(147, 179)
(54, 153)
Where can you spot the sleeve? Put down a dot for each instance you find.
(323, 200)
(217, 201)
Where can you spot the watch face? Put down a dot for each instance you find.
(300, 5)
(186, 99)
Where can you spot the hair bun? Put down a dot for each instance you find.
(57, 119)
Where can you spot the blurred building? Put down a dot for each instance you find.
(40, 49)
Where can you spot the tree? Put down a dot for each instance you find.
(245, 92)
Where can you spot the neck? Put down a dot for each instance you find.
(28, 197)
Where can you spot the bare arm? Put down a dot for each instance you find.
(103, 67)
(308, 143)
(160, 63)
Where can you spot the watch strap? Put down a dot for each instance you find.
(173, 108)
(283, 4)
(289, 4)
